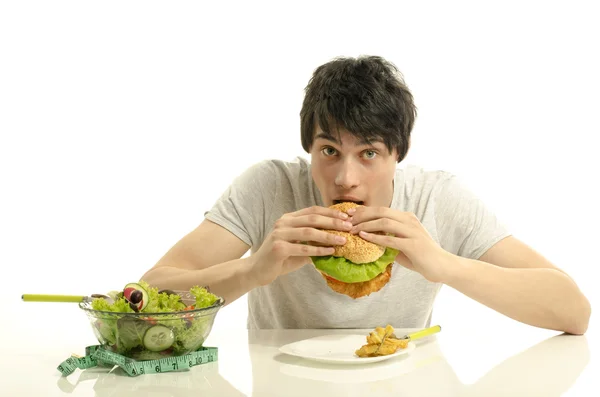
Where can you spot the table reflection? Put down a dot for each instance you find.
(548, 368)
(202, 379)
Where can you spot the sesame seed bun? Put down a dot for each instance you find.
(356, 249)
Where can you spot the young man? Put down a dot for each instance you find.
(356, 122)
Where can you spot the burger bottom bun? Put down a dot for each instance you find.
(365, 288)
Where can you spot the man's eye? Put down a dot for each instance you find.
(329, 151)
(370, 154)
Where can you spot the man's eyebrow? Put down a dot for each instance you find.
(331, 138)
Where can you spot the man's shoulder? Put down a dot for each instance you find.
(297, 164)
(417, 177)
(294, 171)
(274, 169)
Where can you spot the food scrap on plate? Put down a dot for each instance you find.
(382, 342)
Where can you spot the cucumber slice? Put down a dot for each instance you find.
(158, 338)
(130, 289)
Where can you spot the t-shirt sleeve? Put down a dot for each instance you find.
(243, 207)
(466, 226)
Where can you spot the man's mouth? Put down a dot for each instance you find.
(348, 201)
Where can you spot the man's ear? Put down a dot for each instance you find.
(398, 160)
(408, 148)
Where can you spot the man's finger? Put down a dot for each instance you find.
(384, 225)
(364, 214)
(309, 250)
(319, 222)
(312, 236)
(383, 240)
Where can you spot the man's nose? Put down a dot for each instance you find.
(347, 176)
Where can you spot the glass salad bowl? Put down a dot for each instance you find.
(172, 323)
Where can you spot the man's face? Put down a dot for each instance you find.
(351, 170)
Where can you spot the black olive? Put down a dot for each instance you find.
(133, 307)
(136, 297)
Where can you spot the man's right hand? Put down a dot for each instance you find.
(290, 243)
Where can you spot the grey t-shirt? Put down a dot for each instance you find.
(453, 215)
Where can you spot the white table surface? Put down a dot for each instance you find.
(515, 360)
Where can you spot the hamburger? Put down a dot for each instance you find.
(357, 268)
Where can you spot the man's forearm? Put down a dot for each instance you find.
(229, 280)
(541, 297)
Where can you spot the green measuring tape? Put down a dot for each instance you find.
(97, 355)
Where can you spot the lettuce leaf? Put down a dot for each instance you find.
(163, 302)
(120, 306)
(130, 332)
(346, 271)
(191, 336)
(203, 297)
(158, 303)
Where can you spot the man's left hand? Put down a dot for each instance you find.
(404, 232)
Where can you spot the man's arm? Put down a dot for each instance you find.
(520, 283)
(510, 277)
(207, 256)
(207, 245)
(210, 255)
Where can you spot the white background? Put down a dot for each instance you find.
(122, 122)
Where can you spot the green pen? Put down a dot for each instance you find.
(420, 334)
(62, 298)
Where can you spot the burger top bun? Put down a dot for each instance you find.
(356, 249)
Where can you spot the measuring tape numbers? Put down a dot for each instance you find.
(97, 355)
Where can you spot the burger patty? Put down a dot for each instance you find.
(364, 288)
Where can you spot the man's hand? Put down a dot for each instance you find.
(404, 232)
(294, 238)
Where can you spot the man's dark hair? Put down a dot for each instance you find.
(366, 96)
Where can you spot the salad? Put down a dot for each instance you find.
(171, 327)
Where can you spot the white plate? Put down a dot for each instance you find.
(337, 349)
